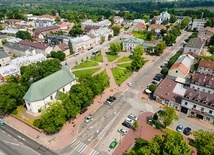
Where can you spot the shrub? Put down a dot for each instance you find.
(37, 123)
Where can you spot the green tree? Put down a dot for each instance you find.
(159, 48)
(24, 35)
(135, 125)
(116, 30)
(138, 59)
(109, 37)
(175, 31)
(172, 18)
(169, 39)
(152, 87)
(4, 41)
(165, 70)
(57, 20)
(204, 142)
(150, 35)
(70, 47)
(168, 115)
(211, 49)
(115, 47)
(53, 118)
(75, 31)
(184, 23)
(58, 55)
(211, 40)
(102, 39)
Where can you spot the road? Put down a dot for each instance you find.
(15, 143)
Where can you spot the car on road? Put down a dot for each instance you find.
(113, 144)
(179, 128)
(113, 97)
(187, 131)
(122, 131)
(130, 121)
(1, 123)
(108, 102)
(110, 99)
(126, 124)
(133, 117)
(161, 76)
(154, 82)
(89, 118)
(129, 84)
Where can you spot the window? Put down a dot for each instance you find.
(207, 118)
(176, 71)
(209, 91)
(63, 89)
(51, 97)
(194, 106)
(186, 103)
(210, 112)
(202, 109)
(28, 104)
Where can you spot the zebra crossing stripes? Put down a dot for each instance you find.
(133, 91)
(94, 152)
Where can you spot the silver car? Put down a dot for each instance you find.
(122, 131)
(89, 118)
(132, 117)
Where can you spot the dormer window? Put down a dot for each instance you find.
(204, 102)
(197, 83)
(197, 99)
(207, 86)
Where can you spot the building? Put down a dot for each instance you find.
(205, 34)
(41, 32)
(170, 93)
(202, 82)
(9, 31)
(104, 23)
(47, 90)
(131, 42)
(43, 23)
(164, 16)
(139, 27)
(198, 23)
(26, 60)
(65, 27)
(181, 67)
(101, 32)
(127, 23)
(8, 71)
(206, 67)
(198, 104)
(17, 50)
(118, 19)
(62, 47)
(156, 27)
(4, 58)
(138, 21)
(195, 45)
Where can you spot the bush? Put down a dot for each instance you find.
(15, 112)
(164, 71)
(152, 87)
(37, 123)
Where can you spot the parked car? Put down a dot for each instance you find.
(179, 128)
(156, 78)
(113, 144)
(108, 102)
(110, 99)
(1, 123)
(154, 82)
(129, 84)
(130, 121)
(187, 131)
(132, 117)
(89, 118)
(113, 97)
(122, 131)
(126, 124)
(161, 76)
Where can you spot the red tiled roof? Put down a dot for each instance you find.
(43, 29)
(181, 67)
(15, 20)
(63, 46)
(157, 26)
(210, 29)
(206, 64)
(31, 44)
(140, 26)
(47, 16)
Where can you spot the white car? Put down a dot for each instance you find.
(128, 120)
(132, 117)
(129, 84)
(122, 131)
(88, 118)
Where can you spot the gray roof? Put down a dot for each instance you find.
(3, 54)
(195, 43)
(16, 46)
(48, 85)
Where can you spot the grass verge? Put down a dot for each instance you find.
(97, 58)
(111, 57)
(124, 59)
(86, 64)
(120, 75)
(84, 73)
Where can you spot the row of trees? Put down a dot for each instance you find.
(58, 55)
(80, 95)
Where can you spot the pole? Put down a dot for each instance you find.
(120, 137)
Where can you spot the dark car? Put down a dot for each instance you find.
(113, 97)
(126, 124)
(156, 78)
(161, 76)
(187, 131)
(154, 82)
(110, 99)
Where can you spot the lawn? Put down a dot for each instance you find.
(120, 75)
(85, 72)
(98, 58)
(124, 59)
(111, 57)
(87, 64)
(18, 114)
(124, 65)
(140, 34)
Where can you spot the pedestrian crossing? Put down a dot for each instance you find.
(81, 147)
(149, 108)
(133, 91)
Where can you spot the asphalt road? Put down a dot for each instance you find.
(15, 143)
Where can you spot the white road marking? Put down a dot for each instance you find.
(15, 139)
(3, 131)
(9, 135)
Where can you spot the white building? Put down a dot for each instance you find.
(4, 58)
(118, 19)
(105, 32)
(194, 45)
(104, 23)
(8, 71)
(163, 17)
(206, 67)
(198, 23)
(137, 21)
(130, 43)
(47, 89)
(26, 60)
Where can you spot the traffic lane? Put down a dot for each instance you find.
(7, 137)
(144, 131)
(7, 149)
(27, 141)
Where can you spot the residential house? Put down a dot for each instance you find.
(26, 60)
(206, 33)
(181, 67)
(43, 23)
(180, 18)
(16, 50)
(9, 31)
(47, 90)
(127, 23)
(7, 71)
(206, 67)
(41, 32)
(198, 23)
(198, 104)
(138, 21)
(164, 16)
(202, 82)
(65, 27)
(14, 22)
(104, 23)
(54, 39)
(170, 93)
(30, 17)
(62, 47)
(156, 27)
(131, 42)
(118, 19)
(140, 27)
(194, 45)
(4, 58)
(105, 32)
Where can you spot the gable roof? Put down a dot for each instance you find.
(206, 64)
(31, 44)
(48, 85)
(203, 80)
(63, 46)
(195, 43)
(209, 29)
(43, 29)
(140, 26)
(181, 67)
(157, 26)
(134, 39)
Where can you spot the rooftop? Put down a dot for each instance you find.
(157, 26)
(203, 80)
(9, 70)
(31, 44)
(206, 64)
(3, 54)
(195, 43)
(80, 39)
(133, 39)
(43, 29)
